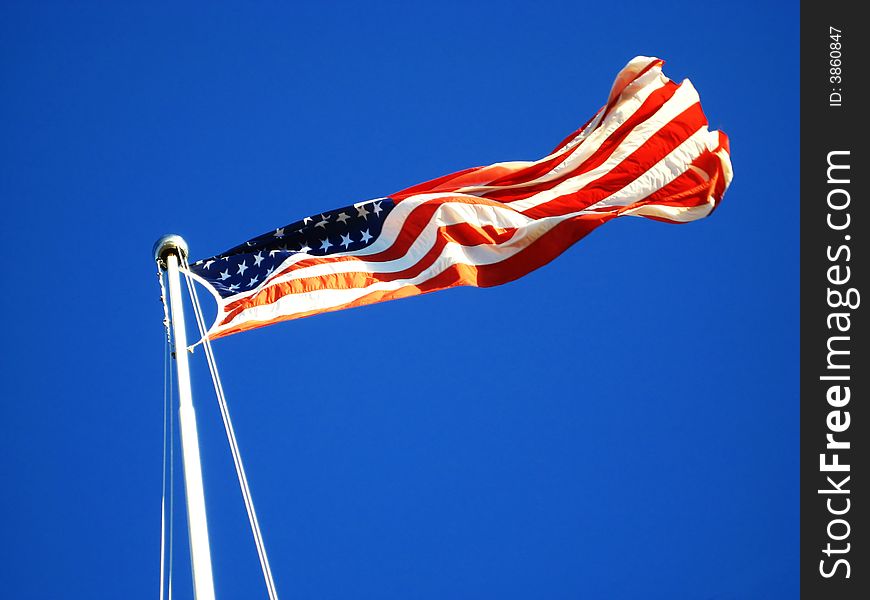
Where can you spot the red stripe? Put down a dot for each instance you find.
(433, 184)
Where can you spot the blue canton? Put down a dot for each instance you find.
(343, 230)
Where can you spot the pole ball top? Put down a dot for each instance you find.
(169, 243)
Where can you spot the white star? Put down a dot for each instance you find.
(208, 264)
(378, 210)
(365, 236)
(250, 243)
(322, 222)
(346, 241)
(361, 212)
(258, 258)
(233, 287)
(305, 248)
(273, 252)
(253, 281)
(225, 258)
(269, 270)
(225, 274)
(279, 233)
(306, 221)
(325, 244)
(342, 217)
(242, 268)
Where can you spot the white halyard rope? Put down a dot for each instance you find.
(163, 493)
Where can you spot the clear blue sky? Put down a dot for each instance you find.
(622, 423)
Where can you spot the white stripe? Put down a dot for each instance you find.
(725, 160)
(679, 214)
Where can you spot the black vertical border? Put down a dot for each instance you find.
(826, 128)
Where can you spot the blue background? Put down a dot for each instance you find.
(622, 423)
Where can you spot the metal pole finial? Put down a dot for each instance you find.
(171, 242)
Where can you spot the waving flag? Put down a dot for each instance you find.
(646, 153)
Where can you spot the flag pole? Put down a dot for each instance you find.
(168, 250)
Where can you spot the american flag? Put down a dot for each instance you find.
(646, 153)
